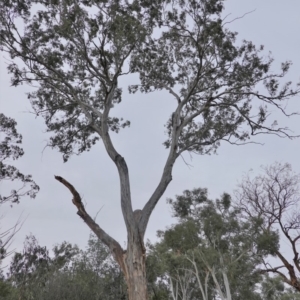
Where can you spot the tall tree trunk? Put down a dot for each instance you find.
(135, 270)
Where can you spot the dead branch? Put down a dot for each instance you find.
(110, 242)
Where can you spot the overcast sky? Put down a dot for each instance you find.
(52, 218)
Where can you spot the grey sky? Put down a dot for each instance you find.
(52, 216)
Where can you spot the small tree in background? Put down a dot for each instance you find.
(216, 250)
(211, 251)
(68, 273)
(76, 51)
(273, 199)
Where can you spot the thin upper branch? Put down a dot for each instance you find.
(167, 172)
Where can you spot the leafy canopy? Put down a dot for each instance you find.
(75, 51)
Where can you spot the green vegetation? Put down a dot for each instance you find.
(216, 249)
(74, 54)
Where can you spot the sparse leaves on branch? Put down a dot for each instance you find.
(273, 200)
(10, 149)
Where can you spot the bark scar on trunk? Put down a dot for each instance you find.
(137, 214)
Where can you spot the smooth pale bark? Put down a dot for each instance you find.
(211, 271)
(181, 289)
(204, 290)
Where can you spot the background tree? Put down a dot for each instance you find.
(212, 251)
(29, 269)
(10, 149)
(68, 273)
(273, 199)
(273, 288)
(76, 52)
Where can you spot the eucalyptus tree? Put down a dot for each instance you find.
(74, 52)
(212, 251)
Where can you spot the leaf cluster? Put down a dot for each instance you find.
(10, 149)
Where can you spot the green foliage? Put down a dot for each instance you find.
(69, 273)
(218, 240)
(81, 52)
(274, 289)
(29, 271)
(75, 52)
(268, 242)
(5, 288)
(213, 236)
(10, 149)
(10, 141)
